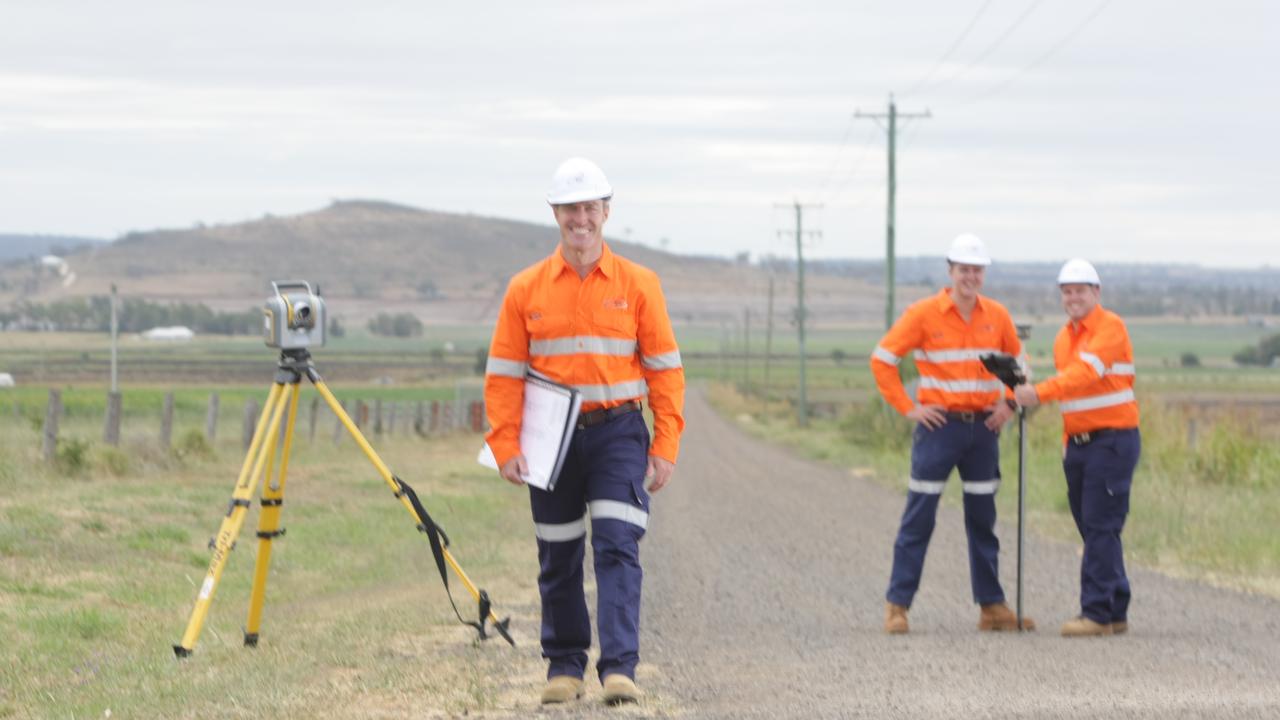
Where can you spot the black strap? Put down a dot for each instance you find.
(439, 541)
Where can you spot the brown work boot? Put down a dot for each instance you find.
(895, 619)
(998, 617)
(562, 689)
(1084, 627)
(620, 689)
(1119, 627)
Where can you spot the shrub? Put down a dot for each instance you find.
(193, 445)
(72, 455)
(1190, 360)
(113, 461)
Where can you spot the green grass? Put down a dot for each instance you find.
(98, 574)
(1206, 511)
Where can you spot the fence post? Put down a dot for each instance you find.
(211, 419)
(111, 430)
(377, 416)
(362, 415)
(419, 416)
(51, 415)
(391, 418)
(338, 427)
(250, 421)
(477, 416)
(447, 420)
(166, 422)
(435, 416)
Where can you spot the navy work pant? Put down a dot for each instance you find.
(603, 475)
(1098, 478)
(974, 449)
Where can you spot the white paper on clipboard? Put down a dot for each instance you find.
(546, 428)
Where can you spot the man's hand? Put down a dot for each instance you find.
(514, 470)
(930, 416)
(660, 470)
(1026, 395)
(1000, 414)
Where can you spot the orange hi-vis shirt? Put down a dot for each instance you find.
(607, 335)
(947, 351)
(1094, 384)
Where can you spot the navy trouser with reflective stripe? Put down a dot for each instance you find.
(603, 474)
(1098, 478)
(975, 450)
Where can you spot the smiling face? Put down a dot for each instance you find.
(966, 280)
(1079, 299)
(582, 226)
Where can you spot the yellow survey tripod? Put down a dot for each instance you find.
(258, 465)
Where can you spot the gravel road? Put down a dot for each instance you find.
(764, 585)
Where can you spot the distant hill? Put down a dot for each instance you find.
(14, 247)
(372, 256)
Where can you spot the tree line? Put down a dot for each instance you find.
(93, 314)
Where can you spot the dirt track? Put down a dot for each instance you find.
(765, 577)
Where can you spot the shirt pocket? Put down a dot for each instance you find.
(615, 323)
(545, 327)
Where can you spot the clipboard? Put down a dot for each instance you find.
(546, 429)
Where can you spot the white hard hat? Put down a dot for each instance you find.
(1077, 270)
(968, 249)
(577, 180)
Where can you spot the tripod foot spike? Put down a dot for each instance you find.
(181, 652)
(251, 639)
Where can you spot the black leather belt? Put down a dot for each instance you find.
(968, 416)
(1088, 437)
(595, 417)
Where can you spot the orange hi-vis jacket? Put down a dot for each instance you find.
(1094, 384)
(608, 335)
(947, 351)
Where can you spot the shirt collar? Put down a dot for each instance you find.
(1090, 321)
(607, 265)
(945, 302)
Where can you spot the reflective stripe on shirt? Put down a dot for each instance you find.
(609, 393)
(505, 368)
(961, 386)
(582, 344)
(885, 356)
(1096, 401)
(947, 356)
(665, 361)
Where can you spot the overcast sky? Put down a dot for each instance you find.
(1120, 130)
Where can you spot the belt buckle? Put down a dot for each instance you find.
(1082, 438)
(967, 416)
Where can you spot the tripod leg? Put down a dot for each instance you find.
(236, 509)
(386, 474)
(269, 520)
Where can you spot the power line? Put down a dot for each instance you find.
(992, 47)
(853, 167)
(1063, 42)
(954, 46)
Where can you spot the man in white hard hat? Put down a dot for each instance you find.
(959, 410)
(1094, 390)
(591, 319)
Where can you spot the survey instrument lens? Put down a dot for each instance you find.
(294, 316)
